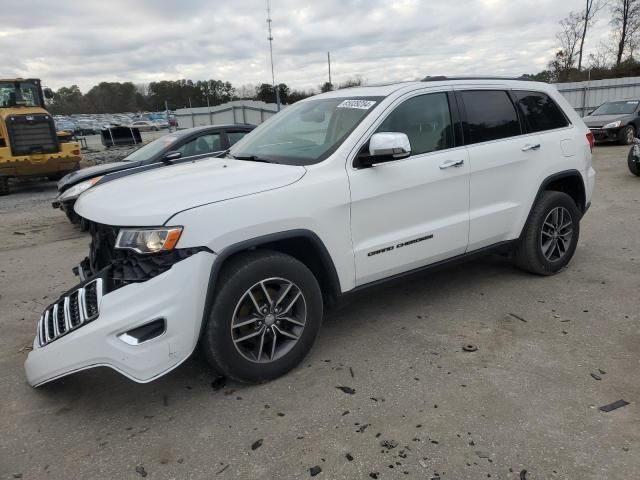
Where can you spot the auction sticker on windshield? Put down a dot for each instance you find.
(359, 104)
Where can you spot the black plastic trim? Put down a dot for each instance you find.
(253, 243)
(501, 247)
(552, 178)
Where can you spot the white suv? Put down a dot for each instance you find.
(336, 193)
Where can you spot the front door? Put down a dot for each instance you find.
(409, 213)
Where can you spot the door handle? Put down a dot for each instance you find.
(528, 147)
(451, 163)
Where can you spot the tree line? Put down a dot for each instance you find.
(118, 97)
(612, 58)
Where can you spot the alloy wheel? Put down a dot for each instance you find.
(268, 320)
(556, 235)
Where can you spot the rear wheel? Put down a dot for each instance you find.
(4, 185)
(627, 134)
(550, 236)
(633, 162)
(265, 317)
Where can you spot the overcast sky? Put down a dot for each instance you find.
(67, 42)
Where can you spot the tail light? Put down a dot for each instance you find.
(591, 139)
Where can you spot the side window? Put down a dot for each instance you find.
(540, 111)
(235, 137)
(426, 120)
(201, 145)
(490, 116)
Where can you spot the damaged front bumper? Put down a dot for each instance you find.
(91, 326)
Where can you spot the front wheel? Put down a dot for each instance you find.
(265, 317)
(627, 134)
(550, 236)
(633, 162)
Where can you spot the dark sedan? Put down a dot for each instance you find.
(177, 147)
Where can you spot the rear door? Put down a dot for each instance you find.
(503, 162)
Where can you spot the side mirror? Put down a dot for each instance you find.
(171, 156)
(48, 93)
(385, 147)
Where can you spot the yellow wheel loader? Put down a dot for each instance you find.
(30, 146)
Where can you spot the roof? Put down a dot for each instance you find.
(386, 89)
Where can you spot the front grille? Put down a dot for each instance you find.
(32, 134)
(70, 312)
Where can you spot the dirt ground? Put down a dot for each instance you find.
(525, 405)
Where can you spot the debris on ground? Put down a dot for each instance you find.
(523, 475)
(596, 376)
(141, 471)
(223, 469)
(347, 390)
(613, 406)
(349, 457)
(351, 372)
(482, 454)
(257, 444)
(388, 444)
(517, 317)
(469, 347)
(315, 470)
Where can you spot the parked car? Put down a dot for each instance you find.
(64, 125)
(178, 147)
(144, 125)
(615, 121)
(633, 158)
(332, 195)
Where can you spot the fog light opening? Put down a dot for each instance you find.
(144, 333)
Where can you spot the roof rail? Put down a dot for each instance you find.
(441, 78)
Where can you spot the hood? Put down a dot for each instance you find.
(601, 120)
(151, 198)
(86, 173)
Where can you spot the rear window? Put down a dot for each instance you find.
(490, 116)
(540, 112)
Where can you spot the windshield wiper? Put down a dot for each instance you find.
(254, 158)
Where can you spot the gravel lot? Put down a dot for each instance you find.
(524, 406)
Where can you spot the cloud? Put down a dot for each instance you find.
(68, 42)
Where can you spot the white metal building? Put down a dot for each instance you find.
(239, 111)
(586, 96)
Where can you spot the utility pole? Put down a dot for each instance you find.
(270, 38)
(329, 62)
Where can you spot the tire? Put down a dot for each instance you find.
(634, 166)
(532, 251)
(626, 135)
(4, 186)
(254, 360)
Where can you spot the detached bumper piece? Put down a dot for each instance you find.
(70, 312)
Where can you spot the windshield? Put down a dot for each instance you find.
(616, 108)
(19, 94)
(152, 149)
(307, 132)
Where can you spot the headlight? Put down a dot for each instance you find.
(151, 240)
(615, 124)
(75, 191)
